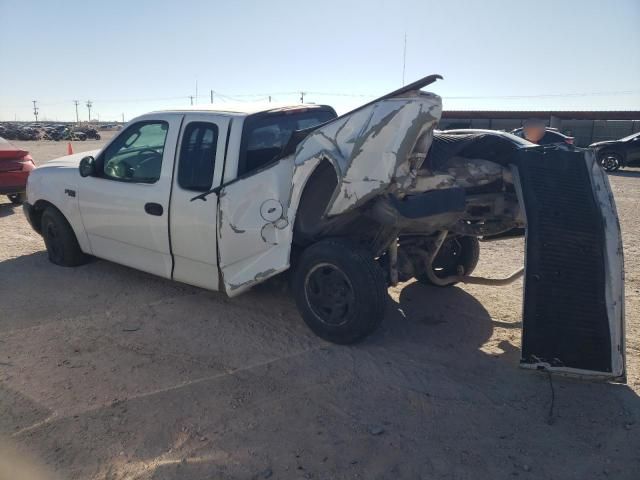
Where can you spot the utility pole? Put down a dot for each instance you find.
(191, 98)
(89, 104)
(301, 97)
(211, 96)
(269, 98)
(35, 109)
(76, 102)
(123, 118)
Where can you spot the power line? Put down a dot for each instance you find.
(137, 100)
(260, 96)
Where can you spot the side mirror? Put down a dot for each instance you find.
(87, 167)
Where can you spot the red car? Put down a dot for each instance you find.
(15, 166)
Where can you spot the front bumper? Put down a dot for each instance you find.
(13, 182)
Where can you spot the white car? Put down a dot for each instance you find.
(225, 199)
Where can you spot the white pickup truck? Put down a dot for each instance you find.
(226, 198)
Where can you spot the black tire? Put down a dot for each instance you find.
(62, 245)
(455, 251)
(340, 291)
(17, 198)
(611, 161)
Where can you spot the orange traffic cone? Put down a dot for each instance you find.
(69, 149)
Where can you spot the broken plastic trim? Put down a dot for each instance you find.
(417, 85)
(203, 196)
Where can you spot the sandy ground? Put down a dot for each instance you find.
(109, 373)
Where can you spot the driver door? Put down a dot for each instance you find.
(125, 206)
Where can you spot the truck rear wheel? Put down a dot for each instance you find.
(60, 240)
(340, 291)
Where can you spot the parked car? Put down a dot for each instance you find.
(226, 198)
(76, 135)
(616, 154)
(91, 133)
(551, 136)
(15, 166)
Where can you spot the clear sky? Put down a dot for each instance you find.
(135, 56)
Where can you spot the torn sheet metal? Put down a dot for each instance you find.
(614, 263)
(374, 149)
(460, 172)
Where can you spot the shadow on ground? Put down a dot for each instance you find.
(7, 209)
(625, 173)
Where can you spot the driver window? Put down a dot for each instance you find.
(136, 155)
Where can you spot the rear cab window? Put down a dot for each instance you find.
(198, 156)
(265, 134)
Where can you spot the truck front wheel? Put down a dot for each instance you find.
(60, 240)
(340, 291)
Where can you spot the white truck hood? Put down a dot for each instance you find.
(68, 161)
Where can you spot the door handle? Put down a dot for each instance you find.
(153, 209)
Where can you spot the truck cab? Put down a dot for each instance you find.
(135, 207)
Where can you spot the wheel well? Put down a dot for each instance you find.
(313, 202)
(36, 214)
(607, 151)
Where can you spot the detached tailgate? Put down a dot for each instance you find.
(573, 318)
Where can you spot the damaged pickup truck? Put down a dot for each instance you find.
(225, 199)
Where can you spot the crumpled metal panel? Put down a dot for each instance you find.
(253, 227)
(372, 148)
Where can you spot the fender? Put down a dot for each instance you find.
(53, 184)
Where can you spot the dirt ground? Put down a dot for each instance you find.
(109, 373)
